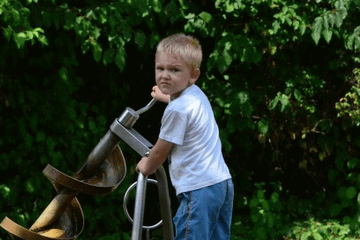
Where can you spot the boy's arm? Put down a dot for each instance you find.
(157, 156)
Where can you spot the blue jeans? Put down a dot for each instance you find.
(205, 214)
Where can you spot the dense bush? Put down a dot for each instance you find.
(282, 77)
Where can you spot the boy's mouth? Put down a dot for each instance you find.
(165, 83)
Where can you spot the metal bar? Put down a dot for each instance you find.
(165, 204)
(147, 107)
(132, 138)
(139, 207)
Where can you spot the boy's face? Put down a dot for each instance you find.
(173, 75)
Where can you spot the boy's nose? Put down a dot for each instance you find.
(165, 75)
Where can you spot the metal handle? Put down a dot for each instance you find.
(127, 194)
(139, 208)
(147, 107)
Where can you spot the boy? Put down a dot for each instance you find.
(190, 135)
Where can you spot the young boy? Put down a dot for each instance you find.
(190, 135)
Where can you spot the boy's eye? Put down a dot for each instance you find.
(175, 70)
(159, 68)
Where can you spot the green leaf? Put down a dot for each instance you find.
(95, 33)
(20, 39)
(327, 35)
(331, 19)
(342, 12)
(205, 16)
(274, 197)
(245, 106)
(15, 15)
(325, 22)
(318, 23)
(229, 7)
(4, 190)
(284, 99)
(298, 95)
(263, 126)
(156, 4)
(190, 16)
(296, 24)
(302, 28)
(109, 56)
(120, 59)
(29, 186)
(316, 37)
(350, 41)
(7, 33)
(97, 52)
(140, 39)
(225, 61)
(316, 30)
(30, 34)
(39, 30)
(357, 42)
(43, 40)
(352, 163)
(243, 97)
(351, 192)
(317, 236)
(338, 19)
(63, 73)
(273, 103)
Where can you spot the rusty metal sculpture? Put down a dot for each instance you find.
(103, 171)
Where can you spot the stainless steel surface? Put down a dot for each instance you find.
(165, 204)
(132, 138)
(139, 207)
(125, 202)
(128, 117)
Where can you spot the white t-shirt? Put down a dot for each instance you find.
(196, 159)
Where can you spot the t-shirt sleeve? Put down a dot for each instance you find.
(173, 127)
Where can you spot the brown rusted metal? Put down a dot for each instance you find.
(103, 171)
(63, 218)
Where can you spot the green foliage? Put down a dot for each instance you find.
(315, 230)
(286, 102)
(350, 104)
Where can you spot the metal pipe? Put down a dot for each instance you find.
(98, 155)
(139, 207)
(165, 204)
(54, 210)
(147, 107)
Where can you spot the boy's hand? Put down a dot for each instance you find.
(141, 167)
(159, 96)
(157, 156)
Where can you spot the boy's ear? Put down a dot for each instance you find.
(195, 74)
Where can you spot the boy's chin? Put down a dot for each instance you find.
(164, 90)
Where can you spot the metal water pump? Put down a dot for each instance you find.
(103, 171)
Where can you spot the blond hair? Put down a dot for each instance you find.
(186, 47)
